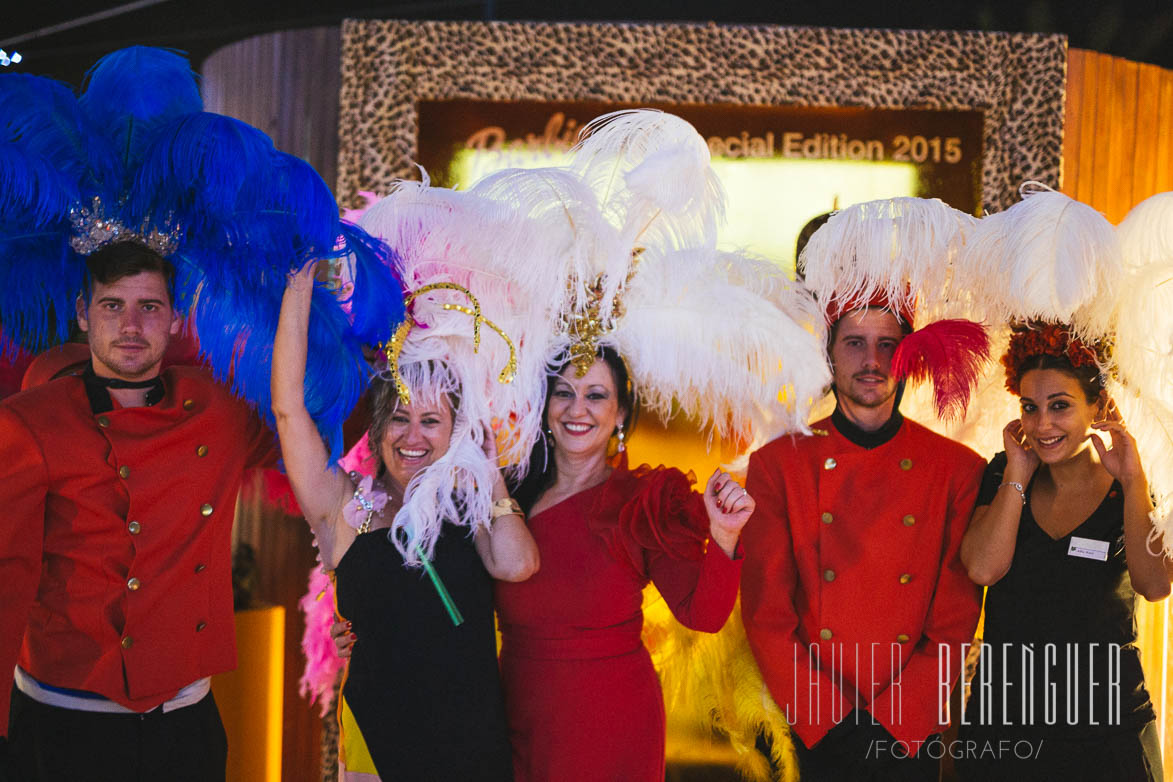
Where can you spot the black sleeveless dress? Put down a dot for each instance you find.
(1059, 690)
(425, 693)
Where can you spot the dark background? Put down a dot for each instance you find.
(1141, 31)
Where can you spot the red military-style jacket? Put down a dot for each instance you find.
(115, 537)
(852, 579)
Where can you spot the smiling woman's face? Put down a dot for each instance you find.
(1056, 416)
(417, 435)
(584, 411)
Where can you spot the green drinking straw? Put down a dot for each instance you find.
(449, 604)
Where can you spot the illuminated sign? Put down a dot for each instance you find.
(781, 165)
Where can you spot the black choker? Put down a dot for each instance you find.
(862, 437)
(98, 389)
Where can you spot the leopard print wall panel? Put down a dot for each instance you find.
(1017, 80)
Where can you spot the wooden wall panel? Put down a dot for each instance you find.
(287, 84)
(1118, 138)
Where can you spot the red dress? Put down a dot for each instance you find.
(582, 697)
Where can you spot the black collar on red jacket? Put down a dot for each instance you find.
(862, 437)
(98, 389)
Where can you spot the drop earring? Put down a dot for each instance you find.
(622, 439)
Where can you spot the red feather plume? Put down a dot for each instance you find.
(951, 354)
(277, 492)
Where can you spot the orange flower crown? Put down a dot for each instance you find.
(1052, 339)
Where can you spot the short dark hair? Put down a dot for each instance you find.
(804, 236)
(541, 472)
(1088, 376)
(126, 259)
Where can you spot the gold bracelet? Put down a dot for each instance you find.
(506, 506)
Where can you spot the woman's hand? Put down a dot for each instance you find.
(1121, 460)
(343, 638)
(301, 282)
(1021, 460)
(489, 444)
(729, 507)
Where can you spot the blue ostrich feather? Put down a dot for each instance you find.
(36, 192)
(41, 117)
(302, 201)
(236, 325)
(376, 303)
(40, 277)
(206, 171)
(134, 92)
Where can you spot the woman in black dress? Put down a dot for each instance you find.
(423, 685)
(1061, 535)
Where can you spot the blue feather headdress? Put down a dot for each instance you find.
(135, 158)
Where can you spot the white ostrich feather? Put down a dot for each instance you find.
(565, 236)
(1049, 258)
(1144, 306)
(1150, 420)
(896, 248)
(1146, 232)
(727, 340)
(1143, 346)
(652, 176)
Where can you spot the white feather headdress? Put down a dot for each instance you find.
(1142, 382)
(898, 254)
(1048, 257)
(895, 250)
(625, 237)
(463, 336)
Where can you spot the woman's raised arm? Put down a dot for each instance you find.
(320, 490)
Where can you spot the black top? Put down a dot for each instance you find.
(1076, 613)
(425, 693)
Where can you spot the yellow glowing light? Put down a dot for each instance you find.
(768, 200)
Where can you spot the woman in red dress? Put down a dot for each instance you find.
(582, 697)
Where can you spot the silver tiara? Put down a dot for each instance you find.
(92, 230)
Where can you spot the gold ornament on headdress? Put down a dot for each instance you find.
(586, 324)
(393, 348)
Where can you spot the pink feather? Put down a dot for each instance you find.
(951, 354)
(322, 662)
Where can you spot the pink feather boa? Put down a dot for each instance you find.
(322, 662)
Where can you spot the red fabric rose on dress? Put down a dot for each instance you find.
(650, 509)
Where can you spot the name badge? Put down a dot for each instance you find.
(1088, 548)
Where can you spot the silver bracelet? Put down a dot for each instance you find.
(1017, 487)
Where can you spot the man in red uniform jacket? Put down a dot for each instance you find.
(854, 599)
(119, 488)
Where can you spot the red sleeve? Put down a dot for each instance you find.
(951, 621)
(259, 442)
(701, 593)
(23, 488)
(653, 520)
(807, 696)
